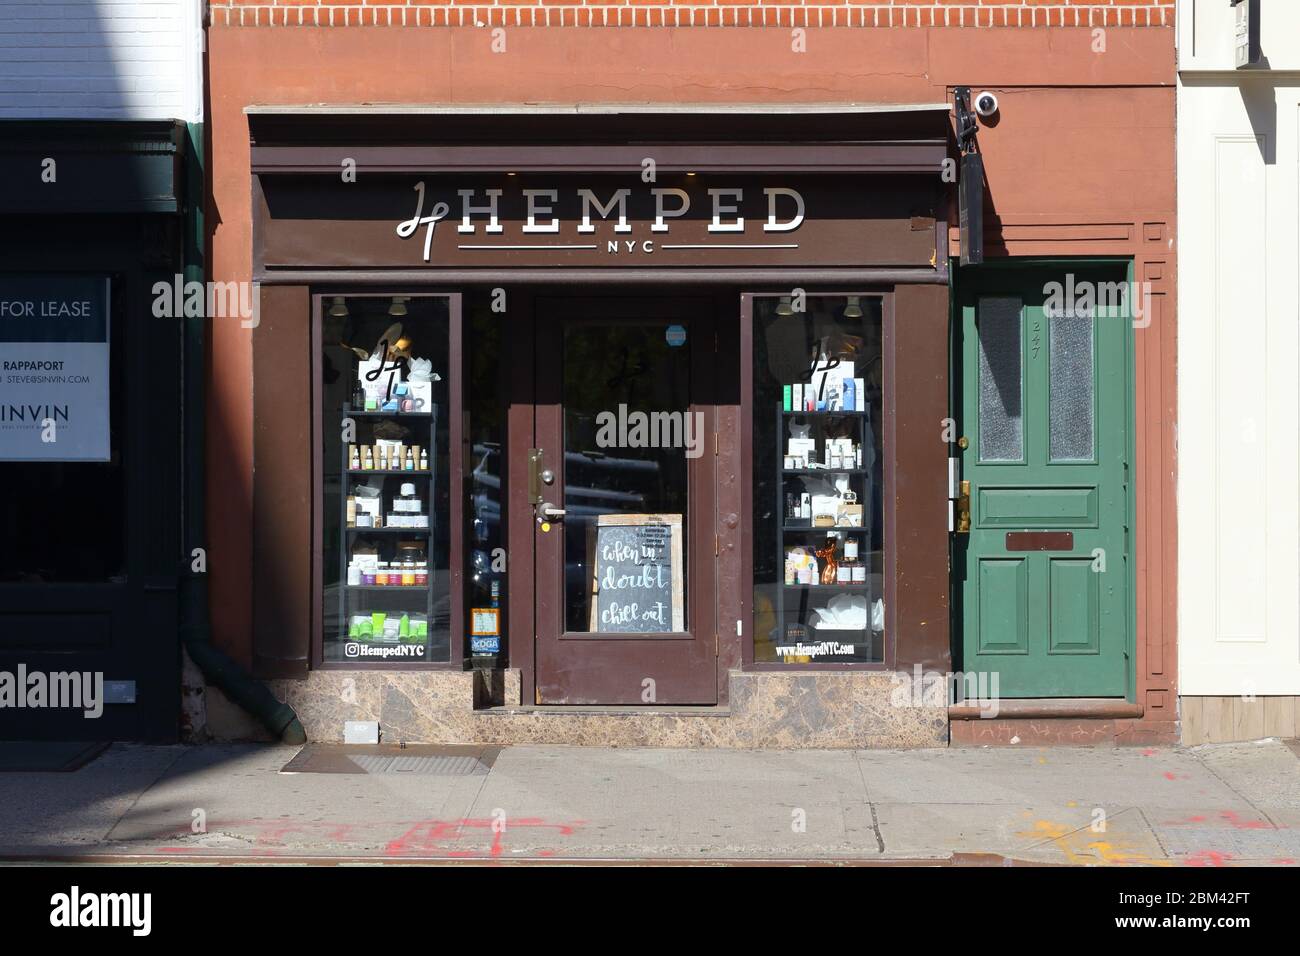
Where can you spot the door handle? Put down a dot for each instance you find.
(546, 511)
(963, 508)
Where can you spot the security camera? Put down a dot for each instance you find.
(986, 104)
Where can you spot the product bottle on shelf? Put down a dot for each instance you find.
(859, 567)
(850, 562)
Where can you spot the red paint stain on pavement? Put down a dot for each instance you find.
(436, 837)
(1232, 818)
(460, 838)
(1170, 775)
(1149, 752)
(1241, 824)
(1208, 858)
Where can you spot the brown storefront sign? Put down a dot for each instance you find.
(591, 222)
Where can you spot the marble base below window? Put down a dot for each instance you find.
(767, 710)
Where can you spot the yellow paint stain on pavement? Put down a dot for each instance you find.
(1082, 847)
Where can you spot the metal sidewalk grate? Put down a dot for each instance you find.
(445, 766)
(419, 760)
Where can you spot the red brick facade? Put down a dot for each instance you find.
(694, 13)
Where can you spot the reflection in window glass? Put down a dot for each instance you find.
(65, 521)
(818, 480)
(627, 435)
(487, 378)
(386, 484)
(1001, 431)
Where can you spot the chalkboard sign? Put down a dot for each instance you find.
(636, 574)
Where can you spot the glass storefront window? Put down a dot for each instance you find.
(487, 387)
(818, 480)
(627, 395)
(386, 479)
(65, 519)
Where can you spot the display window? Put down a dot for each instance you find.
(62, 420)
(487, 385)
(818, 479)
(386, 378)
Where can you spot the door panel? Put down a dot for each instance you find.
(1075, 626)
(1044, 407)
(1003, 597)
(1021, 507)
(625, 430)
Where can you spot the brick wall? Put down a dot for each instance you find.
(697, 13)
(100, 59)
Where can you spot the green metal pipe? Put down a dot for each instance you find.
(217, 667)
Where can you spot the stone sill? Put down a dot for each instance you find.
(558, 710)
(1097, 708)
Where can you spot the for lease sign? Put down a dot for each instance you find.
(54, 368)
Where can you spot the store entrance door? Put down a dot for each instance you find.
(1044, 571)
(621, 484)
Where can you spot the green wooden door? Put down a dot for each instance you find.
(1043, 573)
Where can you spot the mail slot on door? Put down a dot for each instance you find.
(1040, 540)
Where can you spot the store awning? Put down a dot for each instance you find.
(58, 167)
(581, 138)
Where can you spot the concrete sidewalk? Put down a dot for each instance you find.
(1205, 806)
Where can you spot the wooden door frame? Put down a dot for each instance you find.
(701, 571)
(1027, 265)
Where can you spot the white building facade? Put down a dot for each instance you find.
(101, 59)
(1238, 375)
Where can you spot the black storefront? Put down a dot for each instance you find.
(93, 224)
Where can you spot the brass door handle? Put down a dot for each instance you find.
(963, 509)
